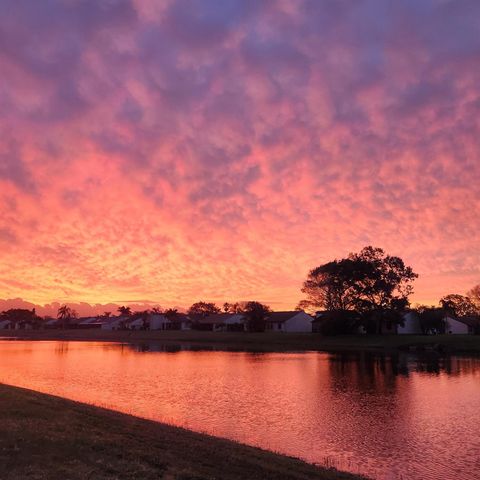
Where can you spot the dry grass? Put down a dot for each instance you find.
(46, 437)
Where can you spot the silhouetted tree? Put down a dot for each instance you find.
(256, 314)
(339, 322)
(232, 307)
(21, 315)
(370, 282)
(474, 296)
(432, 319)
(66, 315)
(127, 311)
(203, 309)
(173, 316)
(156, 310)
(458, 305)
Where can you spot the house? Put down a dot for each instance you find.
(52, 323)
(24, 325)
(139, 323)
(473, 324)
(6, 325)
(411, 324)
(215, 322)
(89, 322)
(114, 323)
(234, 322)
(295, 321)
(461, 325)
(158, 322)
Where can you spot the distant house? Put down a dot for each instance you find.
(235, 322)
(218, 322)
(158, 322)
(294, 321)
(461, 325)
(353, 323)
(114, 323)
(52, 323)
(473, 324)
(411, 324)
(89, 322)
(139, 323)
(24, 325)
(6, 325)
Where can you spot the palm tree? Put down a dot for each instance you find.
(65, 314)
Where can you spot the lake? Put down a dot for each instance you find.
(401, 417)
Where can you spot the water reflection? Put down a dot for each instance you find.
(391, 417)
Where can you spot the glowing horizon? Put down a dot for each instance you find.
(180, 151)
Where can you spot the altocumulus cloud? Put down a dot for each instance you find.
(180, 150)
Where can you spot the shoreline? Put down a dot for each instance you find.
(48, 437)
(263, 342)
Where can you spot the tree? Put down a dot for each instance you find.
(339, 322)
(256, 314)
(474, 296)
(370, 282)
(458, 305)
(173, 316)
(232, 307)
(432, 319)
(66, 315)
(127, 311)
(203, 308)
(21, 315)
(156, 310)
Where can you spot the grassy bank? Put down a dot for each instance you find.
(270, 342)
(46, 437)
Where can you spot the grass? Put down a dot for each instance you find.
(268, 341)
(46, 437)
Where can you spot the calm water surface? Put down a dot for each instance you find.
(389, 418)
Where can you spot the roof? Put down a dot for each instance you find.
(87, 320)
(470, 321)
(281, 317)
(214, 318)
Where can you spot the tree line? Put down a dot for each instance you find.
(369, 289)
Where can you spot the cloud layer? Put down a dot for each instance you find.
(190, 149)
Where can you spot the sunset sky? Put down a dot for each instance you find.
(171, 151)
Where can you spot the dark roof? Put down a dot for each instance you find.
(214, 318)
(470, 321)
(280, 317)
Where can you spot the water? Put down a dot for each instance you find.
(386, 417)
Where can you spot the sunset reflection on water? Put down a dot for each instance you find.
(388, 417)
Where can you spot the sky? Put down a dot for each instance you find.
(163, 152)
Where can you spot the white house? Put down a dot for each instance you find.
(411, 324)
(455, 326)
(296, 321)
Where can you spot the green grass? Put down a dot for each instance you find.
(46, 437)
(274, 342)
